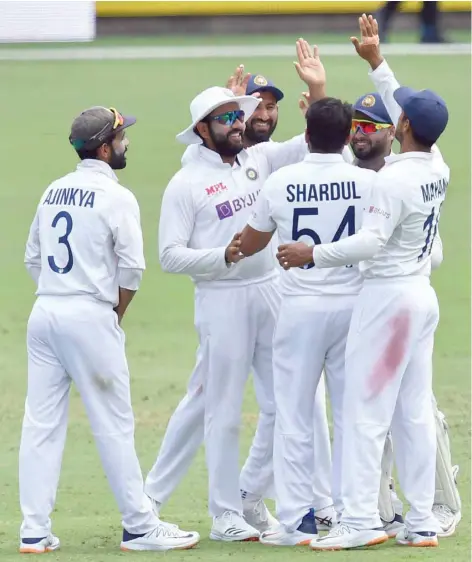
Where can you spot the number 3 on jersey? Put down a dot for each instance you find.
(64, 239)
(349, 221)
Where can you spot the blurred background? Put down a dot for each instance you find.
(150, 59)
(83, 20)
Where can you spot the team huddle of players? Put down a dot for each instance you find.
(311, 261)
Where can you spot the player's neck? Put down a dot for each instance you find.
(411, 146)
(374, 164)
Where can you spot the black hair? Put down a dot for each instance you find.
(420, 140)
(92, 154)
(329, 123)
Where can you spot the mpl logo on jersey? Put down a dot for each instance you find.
(215, 189)
(229, 208)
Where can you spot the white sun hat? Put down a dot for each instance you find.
(208, 100)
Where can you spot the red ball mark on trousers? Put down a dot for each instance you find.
(386, 367)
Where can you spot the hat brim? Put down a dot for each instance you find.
(372, 115)
(278, 94)
(402, 94)
(247, 103)
(128, 120)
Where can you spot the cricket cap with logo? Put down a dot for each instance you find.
(371, 105)
(258, 83)
(209, 100)
(426, 111)
(97, 125)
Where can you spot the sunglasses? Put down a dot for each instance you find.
(229, 118)
(119, 120)
(367, 127)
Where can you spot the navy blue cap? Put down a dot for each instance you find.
(257, 83)
(426, 111)
(373, 106)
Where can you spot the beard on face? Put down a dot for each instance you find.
(257, 133)
(117, 159)
(365, 149)
(227, 144)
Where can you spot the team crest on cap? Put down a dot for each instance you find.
(251, 174)
(260, 80)
(368, 101)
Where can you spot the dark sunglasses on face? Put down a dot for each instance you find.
(229, 118)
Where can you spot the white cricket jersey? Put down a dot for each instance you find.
(85, 232)
(208, 201)
(320, 199)
(400, 221)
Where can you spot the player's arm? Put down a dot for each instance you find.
(127, 234)
(260, 227)
(33, 250)
(382, 215)
(176, 225)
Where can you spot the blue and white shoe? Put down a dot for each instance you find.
(393, 527)
(164, 537)
(39, 545)
(279, 536)
(420, 539)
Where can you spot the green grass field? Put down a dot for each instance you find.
(39, 101)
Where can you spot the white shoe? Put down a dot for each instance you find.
(393, 527)
(325, 518)
(408, 538)
(344, 537)
(164, 537)
(40, 545)
(231, 527)
(258, 516)
(447, 519)
(279, 536)
(303, 535)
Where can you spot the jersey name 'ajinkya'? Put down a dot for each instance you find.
(305, 193)
(70, 196)
(434, 190)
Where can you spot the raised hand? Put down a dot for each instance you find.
(309, 66)
(368, 47)
(238, 81)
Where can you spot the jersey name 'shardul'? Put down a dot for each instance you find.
(85, 229)
(208, 201)
(316, 201)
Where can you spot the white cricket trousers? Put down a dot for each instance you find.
(185, 430)
(389, 357)
(77, 339)
(310, 335)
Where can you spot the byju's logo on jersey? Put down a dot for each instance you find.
(229, 208)
(378, 211)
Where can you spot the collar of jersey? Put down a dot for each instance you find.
(214, 158)
(317, 157)
(407, 156)
(97, 166)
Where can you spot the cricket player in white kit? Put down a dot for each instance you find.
(447, 501)
(321, 198)
(390, 343)
(236, 304)
(85, 251)
(185, 430)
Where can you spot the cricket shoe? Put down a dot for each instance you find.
(258, 516)
(392, 528)
(343, 537)
(40, 545)
(279, 536)
(164, 537)
(420, 539)
(232, 527)
(325, 518)
(447, 519)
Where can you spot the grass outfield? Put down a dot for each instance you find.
(39, 100)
